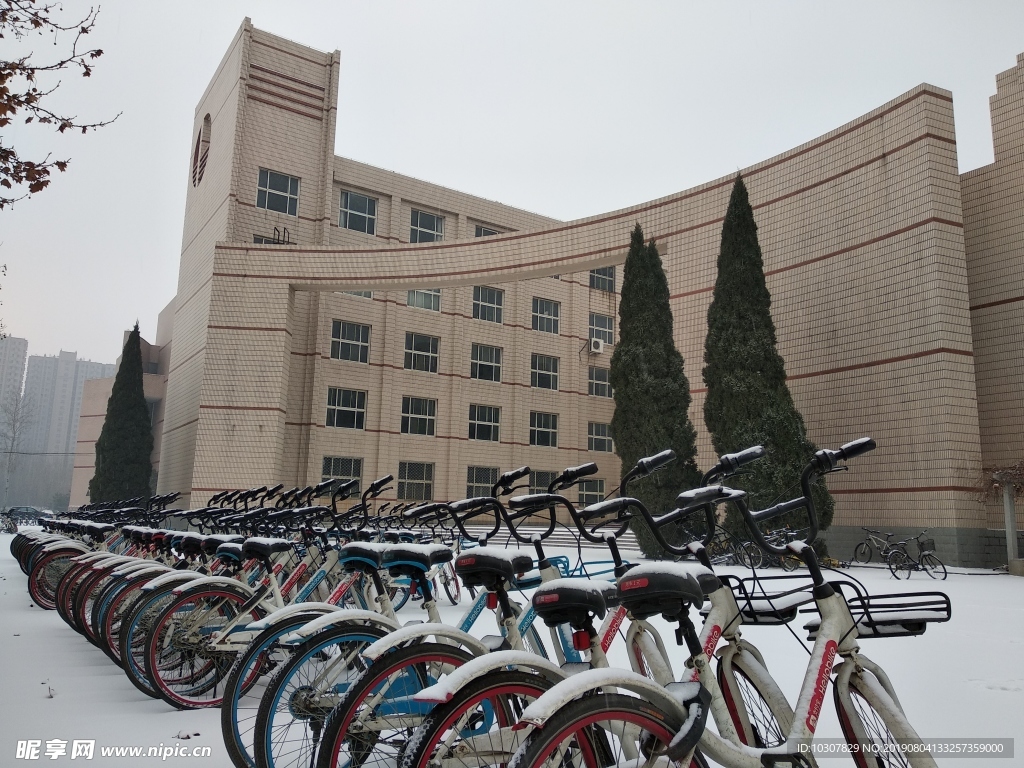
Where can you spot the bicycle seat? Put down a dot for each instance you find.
(361, 555)
(264, 548)
(483, 566)
(230, 553)
(191, 544)
(573, 601)
(665, 588)
(99, 530)
(213, 541)
(411, 559)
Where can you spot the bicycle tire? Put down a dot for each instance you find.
(577, 734)
(768, 728)
(131, 639)
(291, 708)
(46, 574)
(790, 563)
(406, 669)
(450, 581)
(879, 748)
(494, 700)
(899, 564)
(171, 656)
(241, 694)
(862, 553)
(933, 566)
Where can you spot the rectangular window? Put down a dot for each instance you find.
(428, 298)
(350, 341)
(426, 227)
(346, 408)
(480, 481)
(602, 327)
(419, 416)
(599, 437)
(545, 315)
(485, 363)
(415, 481)
(603, 279)
(543, 372)
(482, 231)
(484, 422)
(343, 468)
(277, 192)
(358, 212)
(598, 382)
(360, 294)
(544, 429)
(421, 352)
(590, 492)
(540, 480)
(487, 303)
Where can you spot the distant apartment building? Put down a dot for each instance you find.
(13, 353)
(52, 402)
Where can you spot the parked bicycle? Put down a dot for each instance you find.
(901, 563)
(864, 551)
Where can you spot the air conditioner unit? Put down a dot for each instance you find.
(596, 346)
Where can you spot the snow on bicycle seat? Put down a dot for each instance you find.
(572, 601)
(230, 553)
(99, 530)
(214, 540)
(483, 564)
(665, 588)
(416, 556)
(261, 547)
(191, 543)
(361, 554)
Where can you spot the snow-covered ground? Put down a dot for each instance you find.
(961, 679)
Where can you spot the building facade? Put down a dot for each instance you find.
(53, 401)
(334, 319)
(13, 355)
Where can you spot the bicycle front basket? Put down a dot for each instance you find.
(927, 546)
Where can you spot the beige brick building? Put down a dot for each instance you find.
(896, 285)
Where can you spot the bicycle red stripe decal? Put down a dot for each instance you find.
(821, 685)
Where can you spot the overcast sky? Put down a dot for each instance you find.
(564, 108)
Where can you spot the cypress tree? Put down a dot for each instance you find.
(748, 402)
(652, 394)
(123, 468)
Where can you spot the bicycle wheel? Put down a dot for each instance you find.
(246, 683)
(767, 727)
(750, 555)
(370, 726)
(790, 563)
(597, 731)
(46, 574)
(302, 693)
(900, 564)
(933, 566)
(450, 581)
(869, 729)
(185, 669)
(474, 729)
(862, 553)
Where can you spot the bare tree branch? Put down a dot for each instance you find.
(22, 97)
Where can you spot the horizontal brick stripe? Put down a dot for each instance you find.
(886, 361)
(287, 77)
(276, 95)
(1000, 303)
(833, 254)
(242, 408)
(282, 106)
(180, 426)
(288, 88)
(262, 329)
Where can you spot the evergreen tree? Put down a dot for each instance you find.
(748, 402)
(652, 394)
(123, 469)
